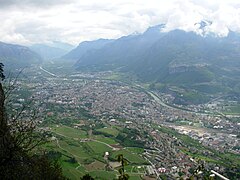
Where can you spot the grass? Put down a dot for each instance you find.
(135, 150)
(209, 88)
(72, 173)
(75, 149)
(69, 132)
(105, 139)
(233, 110)
(133, 158)
(71, 170)
(98, 148)
(135, 178)
(96, 165)
(114, 76)
(89, 155)
(110, 131)
(133, 172)
(103, 175)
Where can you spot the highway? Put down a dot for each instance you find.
(46, 71)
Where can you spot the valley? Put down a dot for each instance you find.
(120, 90)
(89, 114)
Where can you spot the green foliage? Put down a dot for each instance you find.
(190, 77)
(69, 132)
(36, 167)
(128, 138)
(87, 177)
(157, 86)
(233, 109)
(2, 77)
(108, 132)
(54, 155)
(88, 161)
(209, 88)
(190, 97)
(124, 162)
(16, 149)
(132, 158)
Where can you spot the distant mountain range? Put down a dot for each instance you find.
(47, 52)
(204, 63)
(86, 47)
(51, 51)
(119, 52)
(156, 55)
(17, 56)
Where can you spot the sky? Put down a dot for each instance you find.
(28, 22)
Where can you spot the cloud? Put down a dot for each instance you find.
(32, 3)
(73, 21)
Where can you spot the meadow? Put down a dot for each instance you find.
(80, 154)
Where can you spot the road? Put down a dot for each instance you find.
(46, 71)
(154, 167)
(153, 95)
(103, 143)
(159, 101)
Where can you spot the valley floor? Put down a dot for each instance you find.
(93, 117)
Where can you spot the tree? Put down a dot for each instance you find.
(2, 77)
(87, 177)
(17, 140)
(124, 162)
(5, 137)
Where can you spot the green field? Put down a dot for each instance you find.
(69, 132)
(105, 139)
(103, 175)
(132, 157)
(115, 76)
(135, 150)
(80, 155)
(99, 148)
(232, 110)
(110, 131)
(74, 148)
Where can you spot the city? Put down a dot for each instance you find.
(64, 98)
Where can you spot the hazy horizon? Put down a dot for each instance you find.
(29, 21)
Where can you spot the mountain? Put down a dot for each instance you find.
(86, 46)
(13, 55)
(122, 52)
(155, 55)
(62, 45)
(48, 52)
(52, 50)
(205, 63)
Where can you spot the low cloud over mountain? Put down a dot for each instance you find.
(73, 21)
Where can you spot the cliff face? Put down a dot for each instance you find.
(18, 56)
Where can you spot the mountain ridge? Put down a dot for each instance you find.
(14, 55)
(161, 48)
(174, 58)
(85, 46)
(48, 52)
